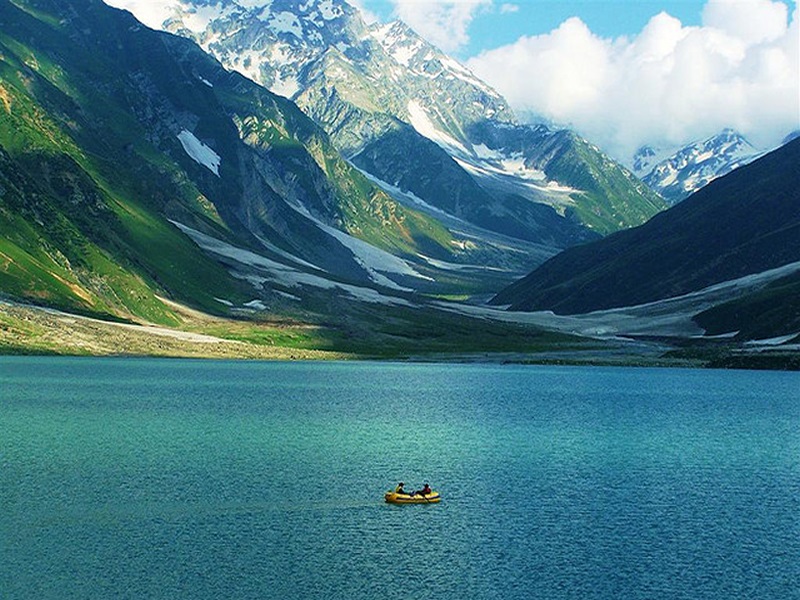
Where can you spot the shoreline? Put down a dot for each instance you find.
(27, 330)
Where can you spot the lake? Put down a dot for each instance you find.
(139, 478)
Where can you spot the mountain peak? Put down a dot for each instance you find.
(643, 159)
(675, 174)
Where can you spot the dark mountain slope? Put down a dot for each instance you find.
(773, 311)
(744, 223)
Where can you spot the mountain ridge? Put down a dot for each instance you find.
(137, 175)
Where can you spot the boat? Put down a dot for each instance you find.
(395, 498)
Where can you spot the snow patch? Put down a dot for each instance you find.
(250, 4)
(248, 64)
(463, 73)
(373, 260)
(256, 305)
(483, 151)
(287, 87)
(286, 22)
(448, 266)
(720, 336)
(283, 254)
(776, 341)
(199, 18)
(199, 152)
(265, 14)
(424, 126)
(512, 170)
(281, 274)
(152, 14)
(287, 295)
(400, 47)
(514, 165)
(329, 11)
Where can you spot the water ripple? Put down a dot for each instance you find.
(189, 479)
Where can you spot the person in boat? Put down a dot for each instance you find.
(399, 489)
(426, 489)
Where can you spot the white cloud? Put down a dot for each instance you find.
(150, 12)
(752, 21)
(509, 8)
(366, 14)
(669, 84)
(444, 23)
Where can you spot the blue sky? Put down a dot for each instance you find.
(603, 17)
(503, 22)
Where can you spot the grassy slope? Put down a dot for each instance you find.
(611, 199)
(77, 213)
(350, 334)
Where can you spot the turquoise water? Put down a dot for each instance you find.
(190, 479)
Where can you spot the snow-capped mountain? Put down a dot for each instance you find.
(677, 174)
(300, 48)
(416, 119)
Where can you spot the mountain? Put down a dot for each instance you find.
(82, 189)
(792, 136)
(739, 226)
(122, 148)
(682, 172)
(419, 122)
(137, 175)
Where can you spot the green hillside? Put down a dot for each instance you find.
(80, 203)
(91, 167)
(611, 198)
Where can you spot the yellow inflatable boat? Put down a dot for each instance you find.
(395, 498)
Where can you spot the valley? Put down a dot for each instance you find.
(155, 201)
